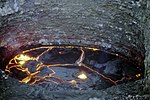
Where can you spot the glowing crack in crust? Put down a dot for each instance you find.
(19, 61)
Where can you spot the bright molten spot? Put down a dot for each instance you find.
(82, 76)
(22, 62)
(73, 82)
(23, 58)
(138, 75)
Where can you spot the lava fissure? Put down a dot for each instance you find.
(19, 62)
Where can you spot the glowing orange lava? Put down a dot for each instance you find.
(31, 78)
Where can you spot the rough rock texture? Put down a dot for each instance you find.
(108, 24)
(147, 47)
(124, 22)
(16, 91)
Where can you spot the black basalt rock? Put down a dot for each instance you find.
(113, 26)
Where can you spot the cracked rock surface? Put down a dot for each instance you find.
(117, 26)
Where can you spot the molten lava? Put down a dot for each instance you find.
(46, 64)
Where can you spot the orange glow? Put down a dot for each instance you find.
(94, 49)
(82, 76)
(138, 75)
(73, 82)
(32, 78)
(23, 57)
(22, 62)
(79, 61)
